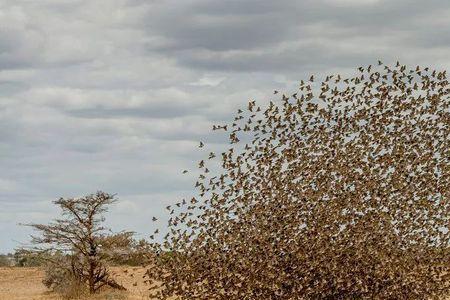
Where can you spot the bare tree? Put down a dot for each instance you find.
(77, 235)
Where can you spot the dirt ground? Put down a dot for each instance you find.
(26, 284)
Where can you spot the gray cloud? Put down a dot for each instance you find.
(267, 36)
(114, 95)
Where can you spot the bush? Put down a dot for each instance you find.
(122, 249)
(6, 260)
(60, 279)
(27, 258)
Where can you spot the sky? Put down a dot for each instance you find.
(115, 95)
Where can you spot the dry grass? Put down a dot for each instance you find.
(26, 284)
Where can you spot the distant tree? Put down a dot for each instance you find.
(6, 260)
(123, 249)
(77, 237)
(28, 258)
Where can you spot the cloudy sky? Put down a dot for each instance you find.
(114, 95)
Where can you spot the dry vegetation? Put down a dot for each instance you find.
(26, 284)
(73, 244)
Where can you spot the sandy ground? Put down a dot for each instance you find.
(26, 284)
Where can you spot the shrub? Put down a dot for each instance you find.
(60, 278)
(27, 258)
(5, 260)
(122, 249)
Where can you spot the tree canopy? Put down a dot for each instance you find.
(77, 239)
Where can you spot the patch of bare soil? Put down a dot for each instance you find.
(26, 284)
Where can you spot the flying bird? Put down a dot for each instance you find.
(339, 192)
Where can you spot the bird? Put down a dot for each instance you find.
(338, 192)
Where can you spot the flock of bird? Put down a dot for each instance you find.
(337, 191)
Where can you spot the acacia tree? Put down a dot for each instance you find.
(76, 237)
(339, 190)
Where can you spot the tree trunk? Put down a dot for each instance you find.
(91, 277)
(114, 284)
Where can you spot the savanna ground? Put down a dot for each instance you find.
(26, 284)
